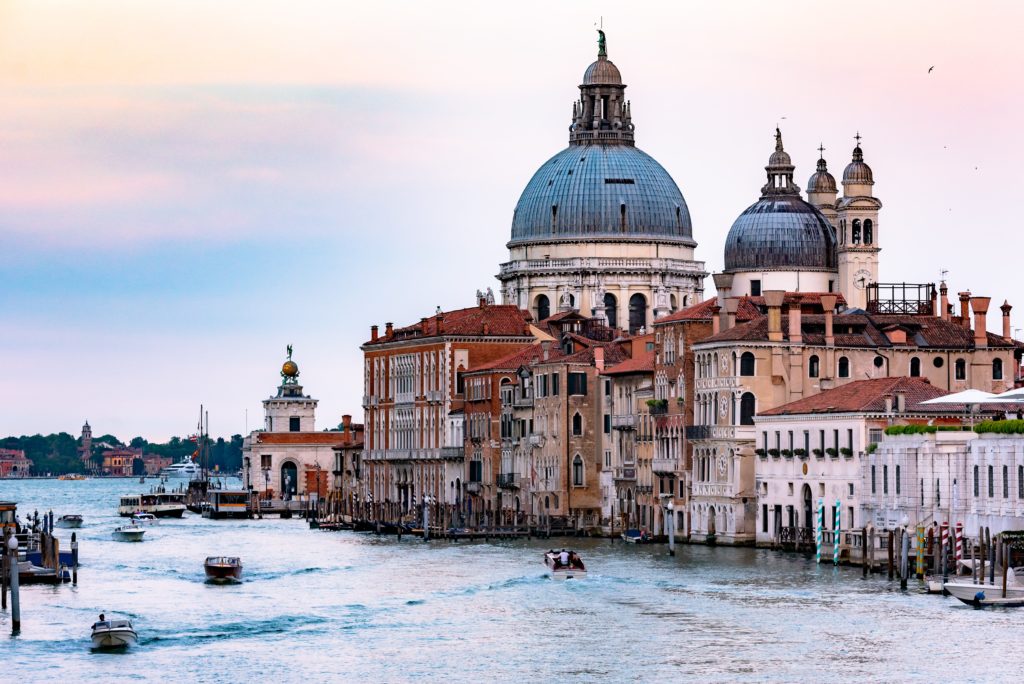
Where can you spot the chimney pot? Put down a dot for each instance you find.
(373, 333)
(980, 306)
(389, 329)
(1005, 308)
(796, 335)
(944, 301)
(599, 359)
(828, 304)
(965, 318)
(888, 403)
(773, 299)
(732, 305)
(716, 321)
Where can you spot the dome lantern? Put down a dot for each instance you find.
(858, 173)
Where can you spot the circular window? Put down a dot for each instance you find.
(938, 362)
(879, 361)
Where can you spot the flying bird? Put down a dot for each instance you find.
(930, 69)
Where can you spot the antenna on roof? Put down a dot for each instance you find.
(943, 273)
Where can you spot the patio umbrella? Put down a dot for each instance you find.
(1013, 396)
(971, 399)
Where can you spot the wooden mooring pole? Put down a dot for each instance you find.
(74, 558)
(12, 566)
(892, 538)
(864, 552)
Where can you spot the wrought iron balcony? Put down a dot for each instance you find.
(508, 481)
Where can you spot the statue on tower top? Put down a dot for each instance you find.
(602, 50)
(290, 369)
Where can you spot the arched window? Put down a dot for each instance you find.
(577, 424)
(747, 364)
(844, 367)
(960, 369)
(842, 232)
(611, 309)
(577, 471)
(547, 502)
(915, 367)
(855, 232)
(747, 407)
(637, 313)
(672, 303)
(868, 232)
(813, 366)
(543, 307)
(997, 369)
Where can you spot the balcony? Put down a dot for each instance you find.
(626, 422)
(713, 489)
(523, 402)
(625, 473)
(698, 431)
(434, 395)
(369, 400)
(666, 466)
(508, 481)
(536, 440)
(474, 487)
(452, 453)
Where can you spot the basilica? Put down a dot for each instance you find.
(606, 392)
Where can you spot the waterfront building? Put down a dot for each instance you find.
(288, 456)
(799, 347)
(120, 461)
(602, 228)
(632, 499)
(153, 464)
(348, 484)
(818, 448)
(975, 480)
(14, 463)
(414, 396)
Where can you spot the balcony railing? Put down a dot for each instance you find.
(624, 422)
(434, 395)
(369, 400)
(523, 402)
(443, 453)
(712, 489)
(625, 473)
(699, 431)
(474, 487)
(664, 465)
(508, 481)
(536, 440)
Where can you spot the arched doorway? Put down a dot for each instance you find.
(808, 507)
(542, 307)
(637, 312)
(747, 408)
(289, 479)
(711, 521)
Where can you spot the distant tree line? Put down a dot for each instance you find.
(57, 454)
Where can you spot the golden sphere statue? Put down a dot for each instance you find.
(290, 369)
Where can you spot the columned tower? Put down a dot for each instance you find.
(857, 249)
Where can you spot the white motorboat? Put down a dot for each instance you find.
(130, 533)
(986, 594)
(144, 519)
(72, 521)
(113, 634)
(571, 568)
(186, 469)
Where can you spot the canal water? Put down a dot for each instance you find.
(322, 606)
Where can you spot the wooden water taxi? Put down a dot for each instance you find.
(223, 568)
(565, 565)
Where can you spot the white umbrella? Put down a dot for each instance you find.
(1014, 396)
(968, 397)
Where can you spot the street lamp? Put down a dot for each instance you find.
(671, 520)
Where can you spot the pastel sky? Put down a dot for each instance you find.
(186, 186)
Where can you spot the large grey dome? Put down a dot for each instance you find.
(781, 232)
(601, 191)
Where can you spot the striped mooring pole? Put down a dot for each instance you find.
(919, 552)
(821, 523)
(836, 535)
(959, 534)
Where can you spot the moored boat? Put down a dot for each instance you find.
(986, 594)
(223, 568)
(637, 536)
(565, 565)
(130, 533)
(186, 469)
(113, 634)
(72, 520)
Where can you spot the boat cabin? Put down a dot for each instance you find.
(225, 503)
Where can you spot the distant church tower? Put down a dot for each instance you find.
(85, 451)
(290, 410)
(857, 233)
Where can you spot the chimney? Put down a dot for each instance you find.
(1005, 308)
(599, 359)
(888, 403)
(373, 333)
(980, 306)
(774, 299)
(795, 330)
(545, 347)
(901, 401)
(723, 284)
(487, 328)
(346, 428)
(716, 321)
(389, 330)
(944, 301)
(423, 326)
(440, 322)
(828, 303)
(732, 305)
(965, 318)
(934, 302)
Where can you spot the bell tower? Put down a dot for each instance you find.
(290, 410)
(857, 232)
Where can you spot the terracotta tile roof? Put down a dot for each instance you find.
(512, 361)
(704, 311)
(491, 319)
(868, 396)
(307, 438)
(865, 330)
(643, 362)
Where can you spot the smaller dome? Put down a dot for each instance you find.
(857, 172)
(602, 72)
(821, 180)
(290, 369)
(780, 158)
